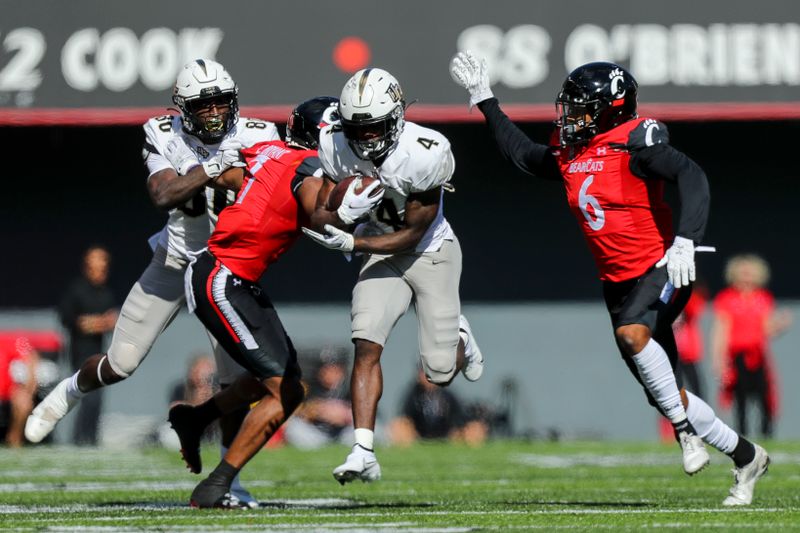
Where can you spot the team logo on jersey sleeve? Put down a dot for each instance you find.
(651, 126)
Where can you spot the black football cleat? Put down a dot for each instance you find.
(189, 432)
(210, 495)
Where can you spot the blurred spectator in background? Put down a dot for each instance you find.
(326, 416)
(18, 361)
(433, 412)
(88, 312)
(745, 320)
(198, 386)
(689, 339)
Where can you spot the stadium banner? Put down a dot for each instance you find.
(99, 62)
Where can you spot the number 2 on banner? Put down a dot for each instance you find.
(598, 220)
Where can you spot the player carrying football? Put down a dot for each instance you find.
(613, 165)
(278, 195)
(411, 253)
(183, 155)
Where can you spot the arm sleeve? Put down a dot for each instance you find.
(528, 156)
(662, 161)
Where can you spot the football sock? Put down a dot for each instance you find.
(365, 438)
(710, 428)
(657, 375)
(235, 482)
(72, 387)
(223, 474)
(207, 411)
(744, 453)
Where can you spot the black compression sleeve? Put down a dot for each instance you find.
(662, 161)
(528, 156)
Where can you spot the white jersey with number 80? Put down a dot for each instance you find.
(189, 226)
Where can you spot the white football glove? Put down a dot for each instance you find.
(335, 239)
(354, 206)
(472, 73)
(180, 155)
(680, 262)
(227, 156)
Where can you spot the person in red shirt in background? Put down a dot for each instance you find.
(745, 320)
(689, 339)
(18, 361)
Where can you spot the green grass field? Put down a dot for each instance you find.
(431, 487)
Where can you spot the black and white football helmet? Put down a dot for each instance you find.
(200, 83)
(372, 109)
(594, 98)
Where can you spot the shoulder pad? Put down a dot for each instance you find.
(253, 130)
(648, 132)
(430, 158)
(159, 130)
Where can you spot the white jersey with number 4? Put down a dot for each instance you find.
(189, 226)
(420, 161)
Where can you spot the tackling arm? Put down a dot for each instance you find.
(321, 215)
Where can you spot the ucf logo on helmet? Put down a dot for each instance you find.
(394, 92)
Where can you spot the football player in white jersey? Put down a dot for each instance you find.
(183, 155)
(410, 251)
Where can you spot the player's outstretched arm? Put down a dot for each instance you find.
(470, 72)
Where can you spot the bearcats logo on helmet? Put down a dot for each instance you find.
(617, 87)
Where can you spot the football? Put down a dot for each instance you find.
(337, 194)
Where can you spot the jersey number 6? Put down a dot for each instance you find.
(598, 219)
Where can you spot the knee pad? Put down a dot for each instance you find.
(124, 359)
(439, 368)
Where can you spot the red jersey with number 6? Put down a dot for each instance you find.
(623, 217)
(265, 220)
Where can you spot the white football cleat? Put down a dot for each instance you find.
(695, 456)
(45, 416)
(745, 479)
(243, 495)
(361, 464)
(473, 358)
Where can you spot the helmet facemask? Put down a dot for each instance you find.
(373, 138)
(576, 121)
(222, 113)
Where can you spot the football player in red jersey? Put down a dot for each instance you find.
(278, 190)
(614, 165)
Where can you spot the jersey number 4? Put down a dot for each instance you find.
(597, 219)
